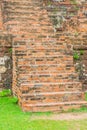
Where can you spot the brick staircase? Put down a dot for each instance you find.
(61, 14)
(44, 77)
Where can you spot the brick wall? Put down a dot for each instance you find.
(69, 19)
(1, 23)
(5, 56)
(81, 64)
(44, 75)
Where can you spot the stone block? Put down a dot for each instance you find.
(2, 69)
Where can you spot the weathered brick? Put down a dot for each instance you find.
(42, 38)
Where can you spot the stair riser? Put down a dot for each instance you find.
(43, 61)
(59, 108)
(47, 78)
(38, 88)
(43, 69)
(49, 98)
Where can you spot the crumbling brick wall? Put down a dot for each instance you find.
(44, 75)
(70, 22)
(5, 56)
(5, 62)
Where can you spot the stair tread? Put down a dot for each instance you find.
(58, 103)
(52, 83)
(52, 93)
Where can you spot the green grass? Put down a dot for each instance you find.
(12, 118)
(82, 109)
(5, 92)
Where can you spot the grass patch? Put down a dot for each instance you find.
(5, 92)
(12, 118)
(82, 109)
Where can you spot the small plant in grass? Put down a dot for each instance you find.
(5, 92)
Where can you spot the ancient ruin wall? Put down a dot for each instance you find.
(44, 76)
(5, 56)
(67, 17)
(70, 24)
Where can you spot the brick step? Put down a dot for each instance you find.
(50, 45)
(50, 87)
(32, 29)
(28, 66)
(17, 12)
(43, 54)
(49, 97)
(53, 61)
(17, 6)
(53, 107)
(44, 48)
(39, 55)
(25, 12)
(18, 18)
(21, 3)
(25, 5)
(41, 68)
(47, 78)
(55, 51)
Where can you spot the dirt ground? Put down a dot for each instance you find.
(64, 116)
